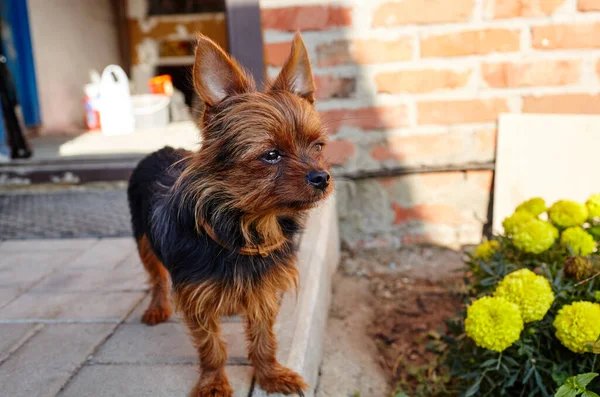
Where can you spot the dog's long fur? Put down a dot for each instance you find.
(195, 213)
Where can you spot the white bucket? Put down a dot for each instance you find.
(116, 110)
(151, 110)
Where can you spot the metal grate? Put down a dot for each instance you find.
(64, 214)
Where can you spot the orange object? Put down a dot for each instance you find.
(92, 115)
(162, 84)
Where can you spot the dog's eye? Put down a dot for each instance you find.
(319, 147)
(272, 157)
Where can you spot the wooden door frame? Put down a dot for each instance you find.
(244, 33)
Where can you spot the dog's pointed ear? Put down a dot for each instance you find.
(216, 74)
(296, 75)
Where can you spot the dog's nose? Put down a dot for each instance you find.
(318, 179)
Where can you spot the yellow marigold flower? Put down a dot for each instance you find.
(535, 236)
(578, 325)
(493, 323)
(593, 206)
(534, 206)
(567, 213)
(514, 222)
(581, 242)
(577, 268)
(532, 293)
(485, 250)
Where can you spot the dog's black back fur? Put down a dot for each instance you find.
(160, 213)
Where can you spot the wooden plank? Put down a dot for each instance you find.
(245, 36)
(548, 156)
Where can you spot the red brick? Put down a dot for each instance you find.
(374, 118)
(334, 87)
(305, 18)
(339, 151)
(422, 12)
(460, 111)
(419, 239)
(482, 178)
(523, 8)
(418, 147)
(562, 104)
(473, 42)
(421, 81)
(588, 5)
(582, 35)
(277, 53)
(343, 52)
(436, 180)
(539, 73)
(428, 213)
(485, 141)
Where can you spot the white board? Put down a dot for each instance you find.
(551, 156)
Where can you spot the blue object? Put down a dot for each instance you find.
(4, 149)
(17, 47)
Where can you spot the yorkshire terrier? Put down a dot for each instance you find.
(221, 222)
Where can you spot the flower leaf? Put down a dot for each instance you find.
(589, 394)
(474, 388)
(584, 379)
(566, 391)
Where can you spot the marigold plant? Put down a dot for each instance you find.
(550, 271)
(486, 249)
(534, 206)
(493, 323)
(578, 326)
(567, 213)
(534, 236)
(513, 223)
(581, 242)
(530, 292)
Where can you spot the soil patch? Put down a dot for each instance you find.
(387, 307)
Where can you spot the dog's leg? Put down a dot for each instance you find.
(159, 309)
(270, 375)
(206, 335)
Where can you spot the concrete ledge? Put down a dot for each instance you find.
(301, 322)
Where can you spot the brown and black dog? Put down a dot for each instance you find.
(221, 222)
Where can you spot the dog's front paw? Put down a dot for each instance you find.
(216, 388)
(156, 315)
(282, 380)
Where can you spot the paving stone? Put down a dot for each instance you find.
(107, 254)
(110, 307)
(146, 381)
(45, 363)
(46, 258)
(24, 276)
(8, 294)
(132, 260)
(94, 280)
(166, 343)
(136, 316)
(12, 336)
(50, 245)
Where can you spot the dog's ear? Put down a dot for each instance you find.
(296, 75)
(216, 75)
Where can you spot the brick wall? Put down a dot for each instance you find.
(417, 84)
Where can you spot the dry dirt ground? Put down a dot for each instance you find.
(385, 306)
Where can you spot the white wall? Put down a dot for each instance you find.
(69, 38)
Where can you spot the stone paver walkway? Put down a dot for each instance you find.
(70, 320)
(70, 326)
